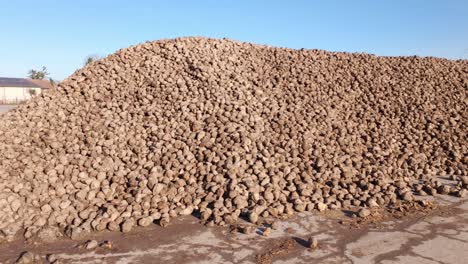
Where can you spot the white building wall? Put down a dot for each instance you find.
(12, 95)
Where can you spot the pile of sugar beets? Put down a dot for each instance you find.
(222, 130)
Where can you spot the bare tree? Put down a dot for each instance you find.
(38, 74)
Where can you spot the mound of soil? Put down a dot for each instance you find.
(224, 129)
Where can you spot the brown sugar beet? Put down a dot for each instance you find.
(224, 129)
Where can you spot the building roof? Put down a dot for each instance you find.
(44, 84)
(21, 82)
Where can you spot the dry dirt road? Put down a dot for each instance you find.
(437, 236)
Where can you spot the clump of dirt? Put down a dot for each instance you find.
(278, 249)
(402, 209)
(398, 210)
(223, 129)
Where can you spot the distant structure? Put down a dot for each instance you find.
(17, 90)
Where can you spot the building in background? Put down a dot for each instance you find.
(17, 90)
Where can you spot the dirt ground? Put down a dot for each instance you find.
(436, 235)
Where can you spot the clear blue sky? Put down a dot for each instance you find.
(60, 34)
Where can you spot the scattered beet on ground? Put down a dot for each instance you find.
(224, 129)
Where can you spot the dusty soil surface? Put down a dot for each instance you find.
(439, 235)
